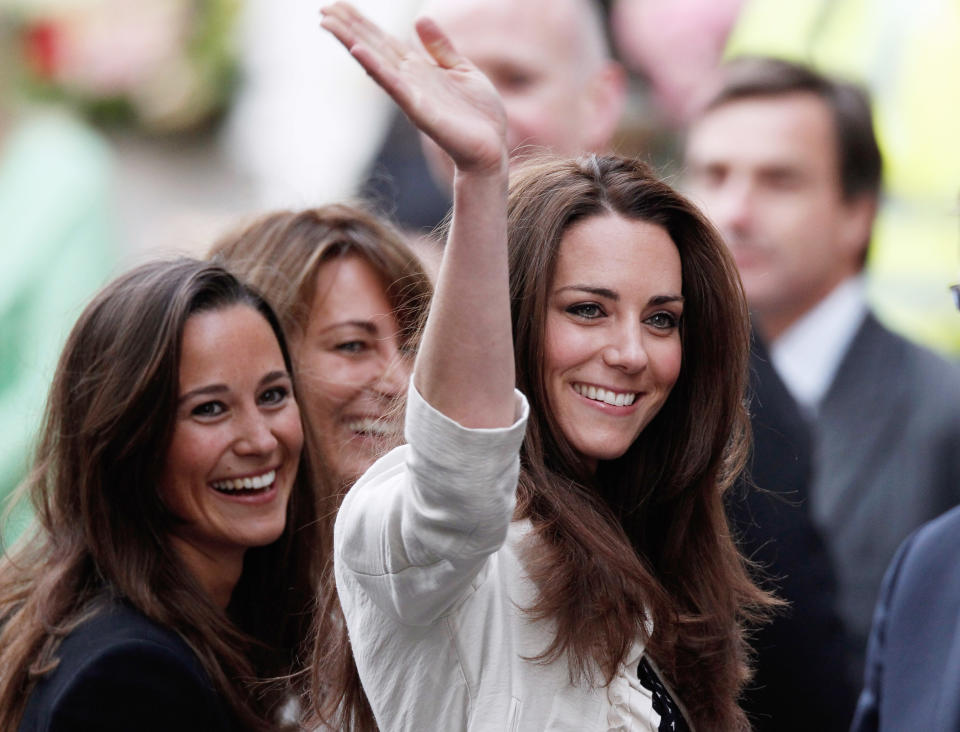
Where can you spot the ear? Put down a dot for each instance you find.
(605, 98)
(857, 226)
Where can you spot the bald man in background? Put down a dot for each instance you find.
(551, 64)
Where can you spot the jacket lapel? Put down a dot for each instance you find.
(851, 433)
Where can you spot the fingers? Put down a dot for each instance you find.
(437, 44)
(384, 74)
(378, 53)
(350, 27)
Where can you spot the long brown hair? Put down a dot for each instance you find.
(103, 532)
(280, 254)
(646, 537)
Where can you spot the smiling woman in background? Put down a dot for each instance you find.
(169, 580)
(351, 297)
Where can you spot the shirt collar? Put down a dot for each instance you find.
(808, 353)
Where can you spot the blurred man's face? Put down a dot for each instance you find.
(533, 52)
(766, 172)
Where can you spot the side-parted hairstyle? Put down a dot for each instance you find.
(280, 254)
(858, 154)
(646, 538)
(103, 532)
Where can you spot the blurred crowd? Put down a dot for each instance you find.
(818, 137)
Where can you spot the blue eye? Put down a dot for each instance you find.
(663, 320)
(351, 346)
(208, 409)
(586, 310)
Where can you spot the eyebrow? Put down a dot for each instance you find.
(615, 297)
(598, 291)
(214, 389)
(366, 325)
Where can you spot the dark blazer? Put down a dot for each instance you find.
(913, 663)
(887, 457)
(121, 671)
(798, 684)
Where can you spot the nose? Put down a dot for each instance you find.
(255, 435)
(627, 352)
(732, 211)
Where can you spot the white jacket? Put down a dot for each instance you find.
(430, 574)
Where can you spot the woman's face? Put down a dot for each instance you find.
(236, 440)
(351, 369)
(612, 338)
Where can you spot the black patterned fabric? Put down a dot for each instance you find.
(671, 720)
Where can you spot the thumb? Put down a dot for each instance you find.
(437, 44)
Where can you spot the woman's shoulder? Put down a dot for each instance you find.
(118, 666)
(120, 630)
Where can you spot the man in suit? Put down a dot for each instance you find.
(786, 164)
(913, 659)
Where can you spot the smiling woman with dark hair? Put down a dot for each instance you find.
(169, 580)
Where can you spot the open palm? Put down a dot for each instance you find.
(441, 92)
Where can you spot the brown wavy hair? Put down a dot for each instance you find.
(103, 532)
(280, 254)
(646, 536)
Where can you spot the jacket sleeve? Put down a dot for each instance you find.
(867, 715)
(416, 530)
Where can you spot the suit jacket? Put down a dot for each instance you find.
(887, 459)
(913, 663)
(121, 671)
(797, 683)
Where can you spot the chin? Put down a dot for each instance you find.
(265, 535)
(602, 453)
(268, 538)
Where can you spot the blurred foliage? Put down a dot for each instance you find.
(158, 66)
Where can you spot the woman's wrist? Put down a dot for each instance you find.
(494, 176)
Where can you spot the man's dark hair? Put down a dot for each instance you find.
(858, 155)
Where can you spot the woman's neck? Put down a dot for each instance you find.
(217, 574)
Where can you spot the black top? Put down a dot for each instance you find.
(121, 671)
(671, 718)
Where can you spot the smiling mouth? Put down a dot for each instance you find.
(248, 485)
(599, 394)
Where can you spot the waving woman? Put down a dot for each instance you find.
(575, 572)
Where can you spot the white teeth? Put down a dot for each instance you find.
(621, 399)
(379, 427)
(239, 484)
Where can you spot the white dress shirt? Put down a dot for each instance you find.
(808, 353)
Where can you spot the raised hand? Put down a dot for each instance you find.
(470, 379)
(440, 91)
